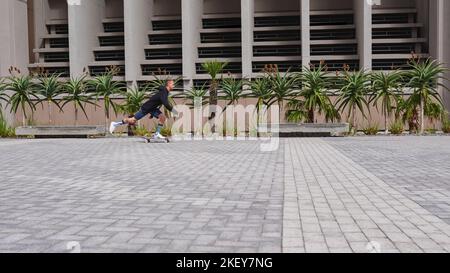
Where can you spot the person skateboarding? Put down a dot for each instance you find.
(152, 107)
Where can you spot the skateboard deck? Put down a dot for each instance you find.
(152, 140)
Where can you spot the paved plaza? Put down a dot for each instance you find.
(366, 194)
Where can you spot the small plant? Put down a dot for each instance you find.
(141, 131)
(431, 131)
(446, 126)
(397, 128)
(371, 130)
(5, 130)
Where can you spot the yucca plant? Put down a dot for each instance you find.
(296, 111)
(23, 93)
(387, 88)
(191, 95)
(76, 94)
(260, 89)
(5, 130)
(354, 93)
(282, 88)
(233, 90)
(49, 87)
(134, 98)
(213, 68)
(104, 87)
(314, 87)
(424, 78)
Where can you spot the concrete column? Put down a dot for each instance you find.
(363, 22)
(13, 40)
(247, 26)
(305, 29)
(137, 14)
(192, 11)
(85, 22)
(439, 39)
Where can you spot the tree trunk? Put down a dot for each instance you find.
(213, 104)
(354, 118)
(311, 116)
(422, 116)
(386, 130)
(49, 113)
(76, 115)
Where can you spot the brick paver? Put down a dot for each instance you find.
(311, 195)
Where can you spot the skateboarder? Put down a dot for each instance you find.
(152, 107)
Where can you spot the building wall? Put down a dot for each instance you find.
(86, 27)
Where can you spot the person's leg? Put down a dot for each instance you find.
(161, 121)
(127, 121)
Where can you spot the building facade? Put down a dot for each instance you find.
(144, 37)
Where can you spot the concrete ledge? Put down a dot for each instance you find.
(314, 129)
(61, 131)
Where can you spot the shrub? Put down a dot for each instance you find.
(5, 130)
(397, 128)
(141, 131)
(446, 126)
(371, 130)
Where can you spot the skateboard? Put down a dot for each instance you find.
(152, 140)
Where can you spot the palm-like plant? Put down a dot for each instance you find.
(75, 90)
(387, 88)
(260, 89)
(106, 88)
(353, 93)
(134, 98)
(232, 90)
(314, 86)
(282, 89)
(49, 88)
(194, 94)
(213, 68)
(23, 93)
(424, 78)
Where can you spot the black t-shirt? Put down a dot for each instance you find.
(157, 100)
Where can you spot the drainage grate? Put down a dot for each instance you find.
(234, 68)
(172, 69)
(292, 66)
(338, 65)
(165, 39)
(166, 25)
(166, 53)
(219, 52)
(55, 57)
(112, 41)
(222, 23)
(290, 50)
(114, 27)
(336, 34)
(393, 48)
(113, 55)
(268, 36)
(221, 37)
(98, 70)
(334, 50)
(396, 18)
(277, 21)
(392, 33)
(390, 64)
(59, 43)
(325, 20)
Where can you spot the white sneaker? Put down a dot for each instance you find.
(113, 126)
(158, 136)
